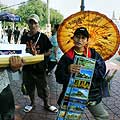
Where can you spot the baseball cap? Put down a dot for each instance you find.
(34, 17)
(81, 31)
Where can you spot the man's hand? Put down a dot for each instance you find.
(73, 68)
(32, 47)
(16, 62)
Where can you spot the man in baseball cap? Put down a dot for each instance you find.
(33, 17)
(81, 31)
(33, 23)
(34, 76)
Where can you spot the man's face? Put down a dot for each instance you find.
(80, 41)
(33, 25)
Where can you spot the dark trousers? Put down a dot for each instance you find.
(9, 38)
(7, 106)
(36, 80)
(62, 94)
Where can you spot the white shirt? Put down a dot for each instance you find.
(4, 79)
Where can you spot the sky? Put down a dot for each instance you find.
(68, 7)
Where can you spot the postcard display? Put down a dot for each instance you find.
(76, 96)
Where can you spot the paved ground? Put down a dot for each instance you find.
(112, 103)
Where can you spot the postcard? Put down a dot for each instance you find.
(77, 100)
(72, 106)
(73, 115)
(80, 83)
(64, 105)
(85, 62)
(79, 93)
(66, 98)
(68, 91)
(85, 73)
(71, 82)
(59, 118)
(62, 114)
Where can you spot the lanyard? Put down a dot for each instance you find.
(37, 39)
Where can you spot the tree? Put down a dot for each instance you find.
(56, 17)
(40, 8)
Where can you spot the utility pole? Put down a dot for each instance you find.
(48, 26)
(0, 25)
(48, 11)
(82, 5)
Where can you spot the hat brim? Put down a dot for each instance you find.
(33, 19)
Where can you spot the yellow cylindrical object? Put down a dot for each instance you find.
(4, 61)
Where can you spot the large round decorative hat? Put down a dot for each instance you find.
(104, 34)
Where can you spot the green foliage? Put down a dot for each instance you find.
(56, 17)
(34, 7)
(40, 8)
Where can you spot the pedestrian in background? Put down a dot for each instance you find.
(56, 52)
(16, 35)
(9, 33)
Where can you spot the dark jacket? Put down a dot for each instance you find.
(63, 75)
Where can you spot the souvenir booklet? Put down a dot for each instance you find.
(7, 50)
(76, 96)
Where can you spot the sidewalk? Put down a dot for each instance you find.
(112, 103)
